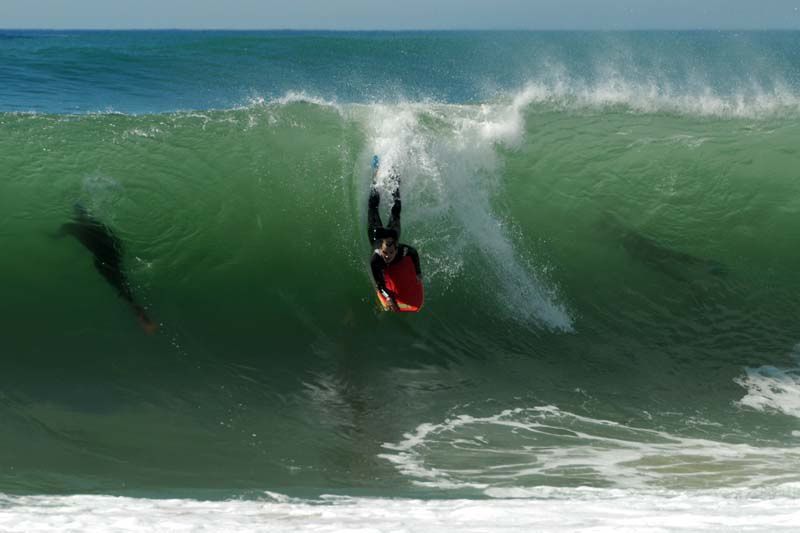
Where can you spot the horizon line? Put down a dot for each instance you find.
(403, 30)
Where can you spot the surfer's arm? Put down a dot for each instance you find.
(377, 264)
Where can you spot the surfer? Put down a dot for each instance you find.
(107, 250)
(385, 240)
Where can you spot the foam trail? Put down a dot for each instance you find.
(535, 445)
(471, 158)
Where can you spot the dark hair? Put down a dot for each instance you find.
(385, 233)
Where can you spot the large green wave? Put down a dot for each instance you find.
(600, 249)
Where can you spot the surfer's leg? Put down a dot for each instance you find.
(114, 276)
(373, 217)
(146, 322)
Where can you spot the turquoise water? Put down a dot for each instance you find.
(607, 227)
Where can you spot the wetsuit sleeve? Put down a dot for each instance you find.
(378, 265)
(373, 217)
(411, 252)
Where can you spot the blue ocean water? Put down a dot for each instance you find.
(162, 71)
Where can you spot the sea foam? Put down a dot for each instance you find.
(545, 510)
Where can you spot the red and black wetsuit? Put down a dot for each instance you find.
(378, 264)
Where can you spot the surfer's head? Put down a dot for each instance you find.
(388, 249)
(388, 243)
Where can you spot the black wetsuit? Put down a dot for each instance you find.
(105, 247)
(377, 263)
(107, 251)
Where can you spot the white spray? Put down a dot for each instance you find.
(448, 161)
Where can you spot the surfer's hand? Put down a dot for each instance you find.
(149, 326)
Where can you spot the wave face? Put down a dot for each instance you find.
(611, 288)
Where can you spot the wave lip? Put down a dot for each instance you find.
(650, 97)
